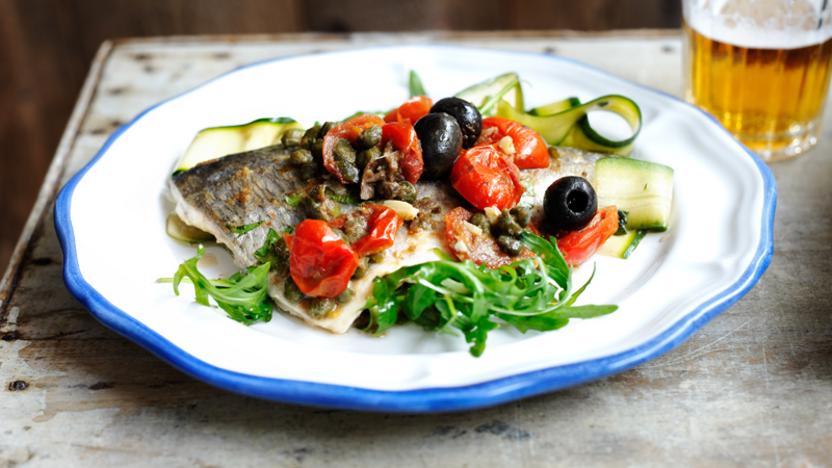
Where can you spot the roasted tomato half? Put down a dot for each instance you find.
(404, 139)
(485, 177)
(350, 130)
(530, 150)
(468, 242)
(412, 110)
(578, 246)
(384, 223)
(320, 263)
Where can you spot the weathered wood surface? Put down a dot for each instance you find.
(753, 387)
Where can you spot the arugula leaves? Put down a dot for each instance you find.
(530, 294)
(243, 295)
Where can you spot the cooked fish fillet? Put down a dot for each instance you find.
(246, 188)
(239, 190)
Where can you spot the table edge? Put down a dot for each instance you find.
(50, 185)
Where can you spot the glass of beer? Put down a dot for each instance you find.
(762, 67)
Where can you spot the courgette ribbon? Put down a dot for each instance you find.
(561, 123)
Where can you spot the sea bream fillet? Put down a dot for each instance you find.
(256, 186)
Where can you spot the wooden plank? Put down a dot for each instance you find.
(754, 387)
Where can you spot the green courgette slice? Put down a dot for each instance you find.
(622, 246)
(177, 229)
(571, 127)
(486, 94)
(216, 142)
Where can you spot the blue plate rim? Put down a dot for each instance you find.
(424, 400)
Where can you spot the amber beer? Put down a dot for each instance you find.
(771, 96)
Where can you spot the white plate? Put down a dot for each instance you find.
(110, 219)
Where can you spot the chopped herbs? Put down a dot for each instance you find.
(241, 230)
(294, 199)
(274, 252)
(530, 294)
(341, 196)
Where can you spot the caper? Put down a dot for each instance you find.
(343, 150)
(509, 245)
(507, 225)
(292, 137)
(407, 191)
(345, 296)
(367, 155)
(370, 137)
(522, 214)
(347, 170)
(321, 306)
(279, 258)
(377, 257)
(388, 189)
(317, 148)
(291, 291)
(481, 221)
(325, 210)
(355, 227)
(363, 266)
(309, 137)
(325, 129)
(301, 156)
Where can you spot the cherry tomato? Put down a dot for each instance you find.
(485, 177)
(384, 224)
(404, 139)
(530, 150)
(469, 244)
(320, 263)
(578, 246)
(413, 109)
(350, 130)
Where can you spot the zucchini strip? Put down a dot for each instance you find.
(216, 142)
(571, 127)
(486, 94)
(556, 107)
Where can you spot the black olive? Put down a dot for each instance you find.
(441, 141)
(466, 115)
(569, 204)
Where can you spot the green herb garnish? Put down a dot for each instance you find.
(243, 295)
(530, 294)
(240, 230)
(345, 197)
(274, 252)
(294, 199)
(265, 251)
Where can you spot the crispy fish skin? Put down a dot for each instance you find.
(239, 190)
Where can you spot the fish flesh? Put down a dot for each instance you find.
(251, 188)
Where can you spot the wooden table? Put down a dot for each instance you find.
(752, 387)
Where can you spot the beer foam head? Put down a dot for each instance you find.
(761, 24)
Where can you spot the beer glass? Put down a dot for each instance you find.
(762, 68)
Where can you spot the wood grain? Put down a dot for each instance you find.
(48, 45)
(753, 387)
